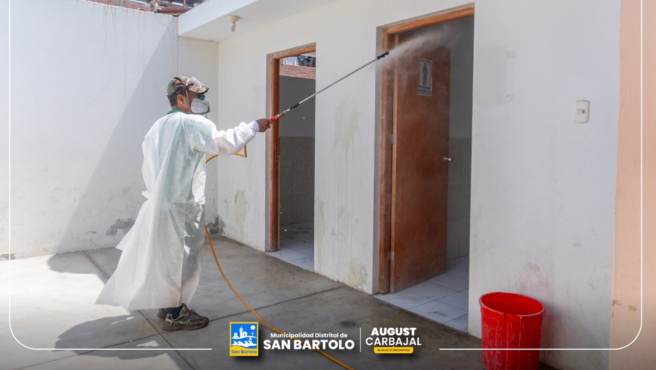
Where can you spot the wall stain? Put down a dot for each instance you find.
(532, 277)
(241, 206)
(7, 256)
(120, 224)
(217, 227)
(346, 125)
(357, 275)
(345, 198)
(345, 201)
(617, 302)
(632, 308)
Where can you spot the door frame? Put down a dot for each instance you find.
(274, 143)
(386, 134)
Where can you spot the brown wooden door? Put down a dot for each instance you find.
(419, 173)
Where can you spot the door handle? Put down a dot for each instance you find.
(447, 159)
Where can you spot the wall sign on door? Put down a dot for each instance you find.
(425, 77)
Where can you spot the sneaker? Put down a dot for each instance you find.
(188, 320)
(161, 314)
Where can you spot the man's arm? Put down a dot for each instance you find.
(225, 142)
(263, 124)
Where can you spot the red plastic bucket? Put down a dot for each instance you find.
(510, 321)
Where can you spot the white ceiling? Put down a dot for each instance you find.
(209, 21)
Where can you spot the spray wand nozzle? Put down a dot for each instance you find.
(281, 114)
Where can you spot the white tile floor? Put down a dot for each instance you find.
(297, 245)
(443, 299)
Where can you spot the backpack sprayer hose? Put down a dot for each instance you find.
(216, 259)
(260, 317)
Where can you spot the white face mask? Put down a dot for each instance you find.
(199, 106)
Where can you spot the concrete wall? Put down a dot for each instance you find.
(634, 278)
(543, 187)
(297, 151)
(89, 80)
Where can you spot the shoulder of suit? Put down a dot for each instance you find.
(199, 121)
(191, 118)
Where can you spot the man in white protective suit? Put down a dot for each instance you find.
(160, 265)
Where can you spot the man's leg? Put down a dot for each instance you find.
(195, 243)
(183, 318)
(174, 311)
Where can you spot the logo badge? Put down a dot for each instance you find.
(244, 339)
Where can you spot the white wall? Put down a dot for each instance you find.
(88, 82)
(543, 186)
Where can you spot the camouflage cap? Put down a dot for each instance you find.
(182, 82)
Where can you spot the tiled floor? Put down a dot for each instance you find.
(443, 299)
(297, 245)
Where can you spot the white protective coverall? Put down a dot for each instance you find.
(160, 265)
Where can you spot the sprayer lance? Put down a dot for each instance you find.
(281, 114)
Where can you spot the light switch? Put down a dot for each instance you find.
(581, 111)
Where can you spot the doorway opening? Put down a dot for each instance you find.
(292, 173)
(426, 167)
